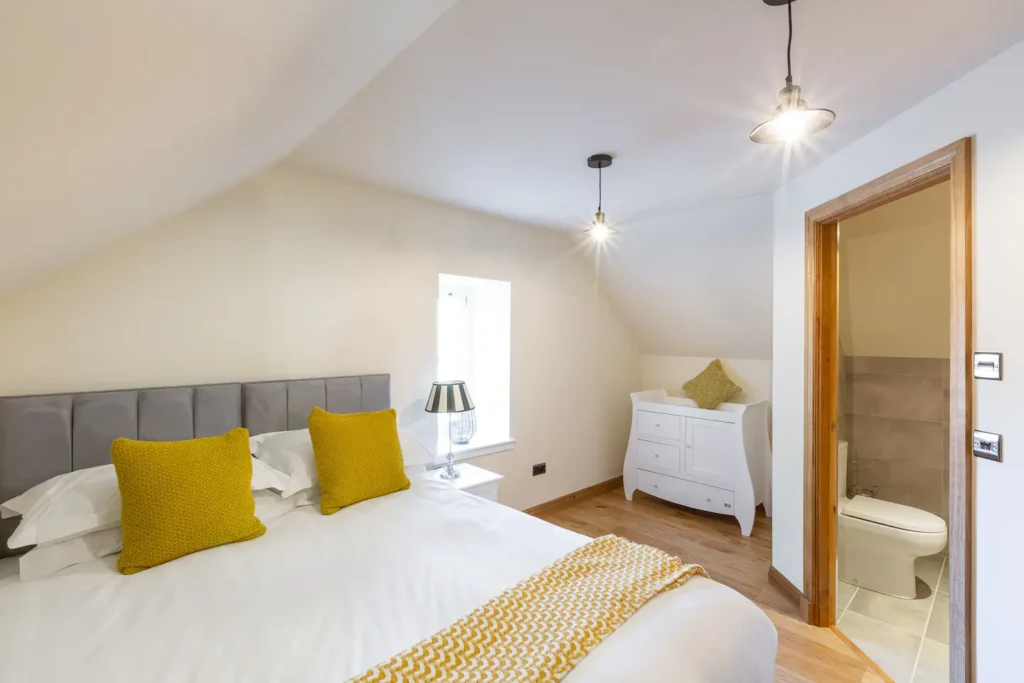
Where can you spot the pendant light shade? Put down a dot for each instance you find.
(599, 230)
(792, 120)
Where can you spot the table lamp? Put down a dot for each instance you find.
(449, 397)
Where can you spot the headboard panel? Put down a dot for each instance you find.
(43, 436)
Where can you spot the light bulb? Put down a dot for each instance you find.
(599, 232)
(792, 125)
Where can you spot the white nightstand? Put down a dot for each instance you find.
(475, 480)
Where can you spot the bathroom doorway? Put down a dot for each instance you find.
(892, 427)
(888, 470)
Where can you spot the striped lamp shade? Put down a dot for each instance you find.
(449, 397)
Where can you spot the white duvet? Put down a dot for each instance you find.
(321, 599)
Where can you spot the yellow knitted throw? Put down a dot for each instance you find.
(541, 628)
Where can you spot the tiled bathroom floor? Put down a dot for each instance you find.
(909, 639)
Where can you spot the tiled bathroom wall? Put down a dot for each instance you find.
(894, 412)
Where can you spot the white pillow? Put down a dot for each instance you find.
(307, 497)
(87, 500)
(47, 558)
(66, 505)
(92, 478)
(266, 477)
(291, 453)
(270, 506)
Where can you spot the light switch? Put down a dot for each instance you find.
(988, 445)
(988, 365)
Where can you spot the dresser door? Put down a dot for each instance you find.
(711, 452)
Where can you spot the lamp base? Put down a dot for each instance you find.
(449, 471)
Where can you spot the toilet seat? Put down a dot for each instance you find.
(892, 515)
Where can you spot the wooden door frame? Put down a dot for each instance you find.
(953, 163)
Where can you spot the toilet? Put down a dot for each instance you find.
(879, 541)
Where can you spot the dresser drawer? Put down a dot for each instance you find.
(688, 493)
(659, 425)
(658, 456)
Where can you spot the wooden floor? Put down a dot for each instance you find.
(806, 654)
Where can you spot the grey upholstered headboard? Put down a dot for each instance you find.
(43, 436)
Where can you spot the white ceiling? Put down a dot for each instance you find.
(498, 105)
(119, 113)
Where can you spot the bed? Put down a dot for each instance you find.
(323, 598)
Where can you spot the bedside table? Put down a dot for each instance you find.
(475, 480)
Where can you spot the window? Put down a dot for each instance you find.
(474, 330)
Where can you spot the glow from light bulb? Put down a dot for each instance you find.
(599, 231)
(792, 125)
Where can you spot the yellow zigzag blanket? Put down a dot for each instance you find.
(541, 628)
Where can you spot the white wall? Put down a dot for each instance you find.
(696, 281)
(986, 103)
(670, 372)
(299, 274)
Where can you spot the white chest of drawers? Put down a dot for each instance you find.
(715, 460)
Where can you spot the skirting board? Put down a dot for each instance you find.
(583, 494)
(789, 591)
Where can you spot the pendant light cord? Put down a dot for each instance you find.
(599, 169)
(789, 45)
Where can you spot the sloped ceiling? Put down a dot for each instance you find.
(696, 282)
(499, 104)
(119, 113)
(497, 107)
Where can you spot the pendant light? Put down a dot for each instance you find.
(791, 120)
(599, 230)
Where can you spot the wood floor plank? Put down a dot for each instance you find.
(806, 654)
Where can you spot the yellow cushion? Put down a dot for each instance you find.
(711, 387)
(358, 456)
(179, 497)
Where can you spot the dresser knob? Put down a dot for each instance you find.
(656, 455)
(655, 486)
(709, 500)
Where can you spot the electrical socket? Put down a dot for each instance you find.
(540, 469)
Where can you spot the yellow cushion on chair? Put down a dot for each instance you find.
(711, 387)
(358, 457)
(179, 497)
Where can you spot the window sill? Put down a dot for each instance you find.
(477, 450)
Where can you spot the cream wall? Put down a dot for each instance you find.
(299, 274)
(670, 372)
(894, 278)
(696, 281)
(985, 104)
